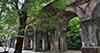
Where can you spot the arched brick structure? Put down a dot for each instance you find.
(88, 13)
(35, 39)
(60, 31)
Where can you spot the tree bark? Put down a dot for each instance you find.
(22, 18)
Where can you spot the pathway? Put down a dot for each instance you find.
(29, 51)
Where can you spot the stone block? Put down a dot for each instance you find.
(90, 50)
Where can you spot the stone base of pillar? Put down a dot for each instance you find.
(27, 48)
(35, 50)
(90, 49)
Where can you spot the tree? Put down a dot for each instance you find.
(18, 12)
(8, 7)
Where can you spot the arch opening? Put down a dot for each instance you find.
(60, 30)
(73, 33)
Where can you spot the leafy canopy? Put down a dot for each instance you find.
(9, 10)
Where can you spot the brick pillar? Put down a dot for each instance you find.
(45, 41)
(55, 41)
(89, 37)
(26, 44)
(36, 41)
(63, 42)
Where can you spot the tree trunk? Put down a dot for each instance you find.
(22, 18)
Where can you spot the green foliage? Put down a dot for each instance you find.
(61, 4)
(10, 34)
(74, 34)
(52, 14)
(1, 36)
(9, 16)
(33, 9)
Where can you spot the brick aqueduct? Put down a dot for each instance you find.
(88, 12)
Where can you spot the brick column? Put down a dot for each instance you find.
(54, 43)
(63, 42)
(89, 37)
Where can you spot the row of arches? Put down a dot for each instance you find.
(57, 40)
(89, 24)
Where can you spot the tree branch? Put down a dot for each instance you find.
(16, 4)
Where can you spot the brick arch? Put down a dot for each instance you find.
(59, 37)
(95, 12)
(68, 15)
(29, 27)
(88, 28)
